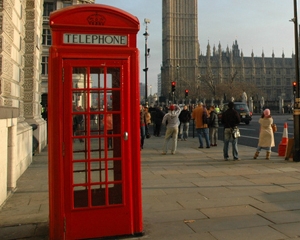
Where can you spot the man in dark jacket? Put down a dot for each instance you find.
(230, 119)
(184, 118)
(142, 125)
(157, 119)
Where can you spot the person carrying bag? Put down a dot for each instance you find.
(230, 119)
(266, 134)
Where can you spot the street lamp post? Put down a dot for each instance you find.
(147, 51)
(296, 154)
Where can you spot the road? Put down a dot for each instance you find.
(249, 133)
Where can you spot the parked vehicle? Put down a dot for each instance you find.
(241, 108)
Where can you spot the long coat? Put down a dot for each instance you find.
(197, 115)
(266, 135)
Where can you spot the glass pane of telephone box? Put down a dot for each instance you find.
(97, 77)
(79, 85)
(97, 100)
(80, 172)
(114, 170)
(116, 150)
(96, 124)
(114, 99)
(113, 78)
(98, 172)
(115, 194)
(79, 149)
(79, 124)
(97, 148)
(80, 196)
(79, 78)
(98, 195)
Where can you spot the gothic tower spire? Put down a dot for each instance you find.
(180, 46)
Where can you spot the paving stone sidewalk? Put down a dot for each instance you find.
(193, 194)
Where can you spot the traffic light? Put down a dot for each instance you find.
(294, 87)
(186, 92)
(173, 86)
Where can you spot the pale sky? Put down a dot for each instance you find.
(257, 25)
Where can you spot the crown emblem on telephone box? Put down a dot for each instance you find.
(96, 19)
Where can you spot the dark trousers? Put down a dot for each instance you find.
(157, 129)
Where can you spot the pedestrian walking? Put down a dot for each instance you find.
(171, 119)
(230, 119)
(148, 121)
(184, 117)
(200, 115)
(266, 135)
(157, 120)
(142, 126)
(213, 126)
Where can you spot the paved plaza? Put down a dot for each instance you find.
(193, 194)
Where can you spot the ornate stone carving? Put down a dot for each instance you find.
(28, 109)
(30, 36)
(8, 7)
(8, 28)
(30, 15)
(28, 96)
(29, 60)
(7, 67)
(29, 48)
(28, 72)
(7, 46)
(29, 4)
(28, 84)
(7, 88)
(29, 25)
(8, 102)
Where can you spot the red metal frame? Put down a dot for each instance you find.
(65, 222)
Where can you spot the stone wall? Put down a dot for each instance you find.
(20, 22)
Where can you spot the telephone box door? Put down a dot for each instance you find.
(97, 181)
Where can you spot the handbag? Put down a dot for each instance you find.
(274, 127)
(236, 133)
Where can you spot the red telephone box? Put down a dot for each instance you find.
(93, 113)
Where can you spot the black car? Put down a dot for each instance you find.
(241, 108)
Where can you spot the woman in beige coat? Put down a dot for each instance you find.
(266, 135)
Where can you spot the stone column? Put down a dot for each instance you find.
(32, 77)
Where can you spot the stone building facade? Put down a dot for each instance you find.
(20, 107)
(180, 46)
(272, 75)
(50, 6)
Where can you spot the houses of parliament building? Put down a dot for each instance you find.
(183, 63)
